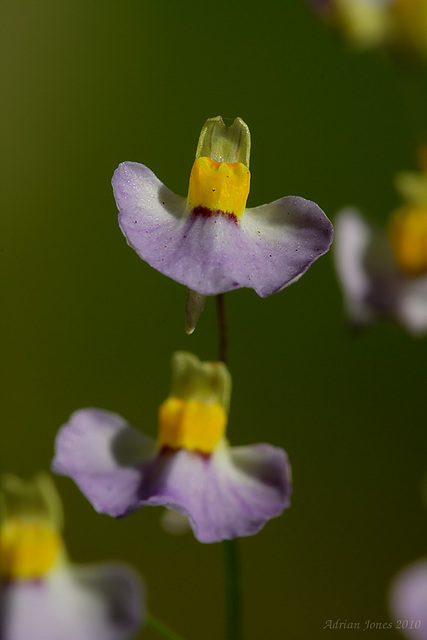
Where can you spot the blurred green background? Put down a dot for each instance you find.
(85, 322)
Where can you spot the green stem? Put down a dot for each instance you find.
(222, 329)
(233, 615)
(161, 628)
(232, 590)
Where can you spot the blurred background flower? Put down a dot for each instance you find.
(383, 274)
(43, 595)
(408, 600)
(365, 24)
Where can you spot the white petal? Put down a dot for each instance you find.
(352, 238)
(73, 603)
(412, 305)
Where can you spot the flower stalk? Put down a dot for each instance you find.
(233, 616)
(233, 591)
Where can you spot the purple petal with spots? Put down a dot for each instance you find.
(408, 599)
(86, 603)
(267, 249)
(230, 493)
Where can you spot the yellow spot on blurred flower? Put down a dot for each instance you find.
(28, 549)
(190, 424)
(218, 186)
(408, 237)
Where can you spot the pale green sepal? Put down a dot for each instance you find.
(412, 187)
(33, 499)
(225, 144)
(174, 522)
(207, 382)
(194, 306)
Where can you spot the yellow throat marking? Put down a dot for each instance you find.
(218, 187)
(408, 237)
(190, 424)
(28, 549)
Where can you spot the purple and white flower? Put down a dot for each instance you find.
(224, 491)
(365, 24)
(89, 603)
(408, 600)
(210, 241)
(384, 275)
(43, 595)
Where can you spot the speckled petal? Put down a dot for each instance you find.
(408, 599)
(86, 603)
(104, 455)
(269, 248)
(230, 493)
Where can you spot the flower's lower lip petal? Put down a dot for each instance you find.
(229, 494)
(408, 599)
(267, 249)
(138, 192)
(192, 250)
(84, 603)
(283, 239)
(105, 457)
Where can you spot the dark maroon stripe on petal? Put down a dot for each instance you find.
(205, 212)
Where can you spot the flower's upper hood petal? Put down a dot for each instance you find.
(230, 493)
(267, 249)
(85, 603)
(408, 599)
(102, 453)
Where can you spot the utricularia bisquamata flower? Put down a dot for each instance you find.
(408, 600)
(401, 24)
(385, 274)
(209, 241)
(43, 596)
(225, 492)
